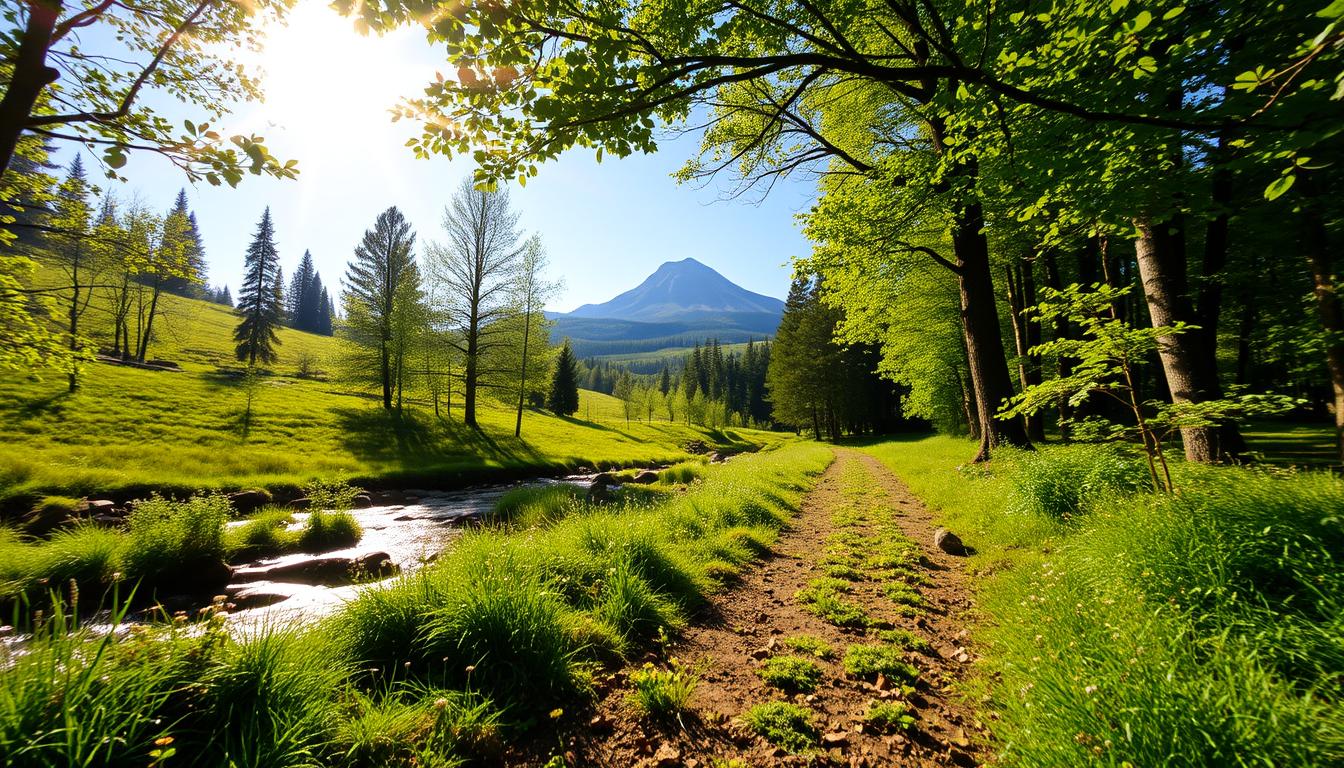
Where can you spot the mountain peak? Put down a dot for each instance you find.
(680, 290)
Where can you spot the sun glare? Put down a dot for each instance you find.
(328, 89)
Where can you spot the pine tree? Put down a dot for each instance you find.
(225, 297)
(259, 305)
(665, 383)
(298, 311)
(194, 270)
(564, 396)
(378, 283)
(325, 313)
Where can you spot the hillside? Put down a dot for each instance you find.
(129, 430)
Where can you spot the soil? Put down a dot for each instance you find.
(744, 624)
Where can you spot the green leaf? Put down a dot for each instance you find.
(115, 157)
(1173, 13)
(1141, 22)
(1280, 185)
(1119, 5)
(1334, 10)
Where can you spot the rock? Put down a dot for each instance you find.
(94, 507)
(362, 501)
(249, 500)
(715, 457)
(760, 653)
(645, 477)
(604, 478)
(323, 571)
(598, 493)
(666, 755)
(256, 597)
(303, 503)
(949, 542)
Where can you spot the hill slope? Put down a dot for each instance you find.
(128, 430)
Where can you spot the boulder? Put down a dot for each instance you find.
(250, 500)
(645, 477)
(949, 542)
(362, 501)
(327, 571)
(604, 478)
(303, 503)
(255, 597)
(95, 507)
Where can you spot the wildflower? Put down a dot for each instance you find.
(1091, 689)
(163, 741)
(440, 704)
(557, 713)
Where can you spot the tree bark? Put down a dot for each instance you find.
(29, 76)
(522, 375)
(1026, 335)
(1325, 290)
(385, 370)
(984, 339)
(149, 322)
(1161, 260)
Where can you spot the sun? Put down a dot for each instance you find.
(328, 89)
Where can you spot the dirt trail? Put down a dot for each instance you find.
(749, 623)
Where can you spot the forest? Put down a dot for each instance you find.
(1041, 466)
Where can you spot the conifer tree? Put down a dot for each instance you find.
(193, 269)
(380, 282)
(76, 252)
(299, 313)
(564, 396)
(665, 383)
(259, 307)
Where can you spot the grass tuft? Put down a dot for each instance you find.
(791, 673)
(869, 661)
(787, 726)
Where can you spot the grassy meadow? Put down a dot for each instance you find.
(503, 633)
(1126, 628)
(128, 430)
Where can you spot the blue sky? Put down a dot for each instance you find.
(606, 226)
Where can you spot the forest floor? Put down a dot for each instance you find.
(856, 569)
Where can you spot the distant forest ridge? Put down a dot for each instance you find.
(597, 337)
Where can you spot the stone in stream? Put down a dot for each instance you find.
(949, 542)
(362, 501)
(255, 597)
(249, 500)
(323, 571)
(645, 477)
(95, 507)
(303, 503)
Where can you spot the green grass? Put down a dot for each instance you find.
(325, 530)
(1199, 629)
(809, 645)
(662, 693)
(434, 669)
(787, 726)
(828, 605)
(869, 661)
(537, 505)
(682, 472)
(1298, 444)
(128, 431)
(889, 716)
(794, 674)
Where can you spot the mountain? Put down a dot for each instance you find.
(681, 290)
(680, 304)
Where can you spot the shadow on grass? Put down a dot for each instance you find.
(45, 407)
(412, 441)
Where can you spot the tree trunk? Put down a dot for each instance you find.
(522, 375)
(385, 369)
(1026, 336)
(149, 321)
(29, 76)
(74, 324)
(469, 380)
(1063, 363)
(1209, 306)
(1161, 261)
(984, 340)
(1316, 244)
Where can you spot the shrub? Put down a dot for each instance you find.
(331, 495)
(662, 693)
(325, 531)
(785, 725)
(1060, 482)
(174, 537)
(869, 661)
(791, 673)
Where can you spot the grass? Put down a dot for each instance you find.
(535, 506)
(809, 645)
(1195, 629)
(325, 530)
(436, 668)
(889, 716)
(869, 661)
(128, 431)
(662, 693)
(682, 472)
(787, 726)
(793, 674)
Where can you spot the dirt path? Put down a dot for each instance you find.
(860, 553)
